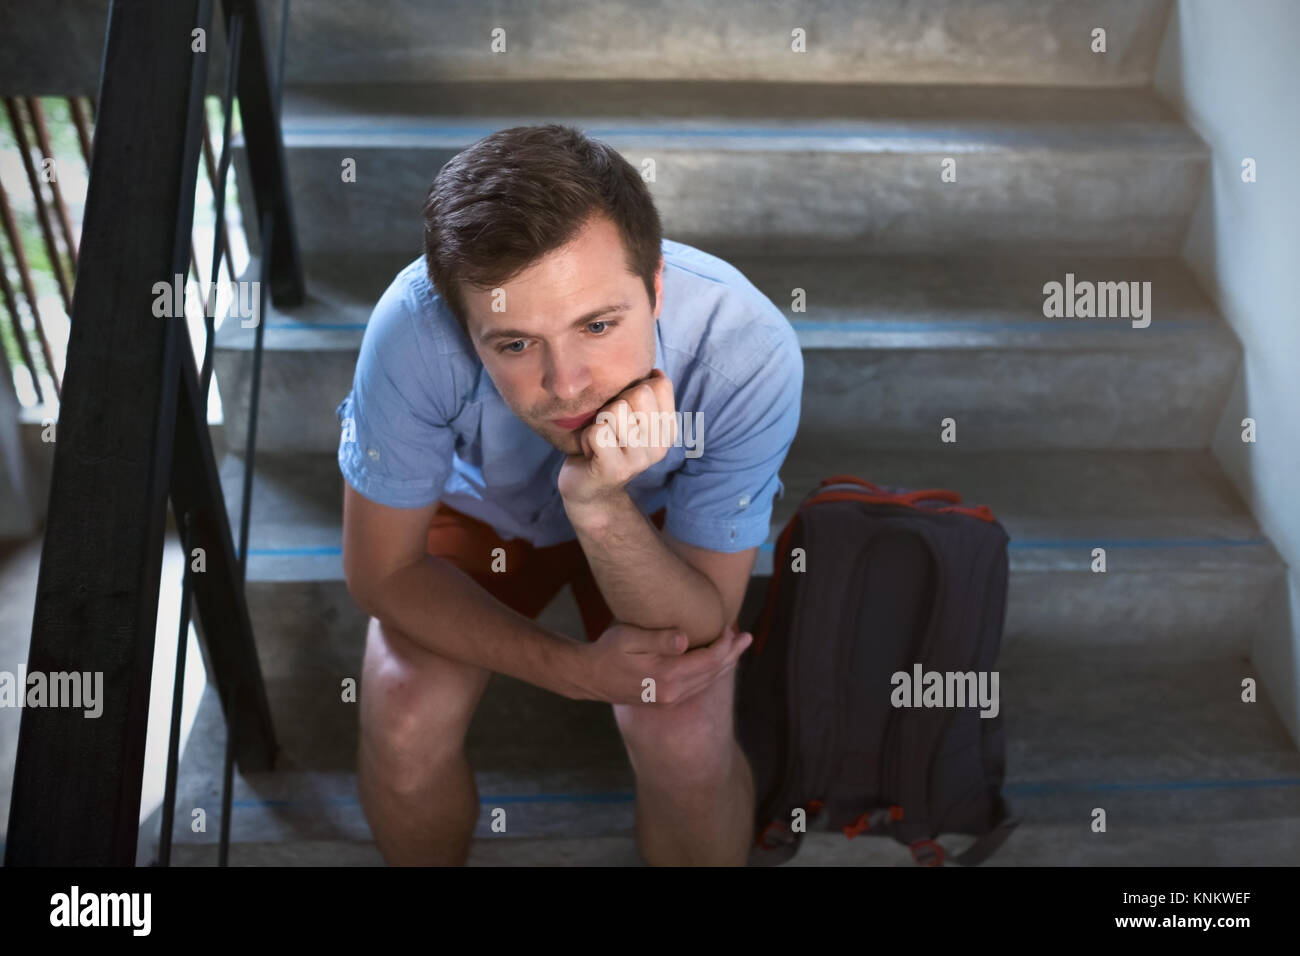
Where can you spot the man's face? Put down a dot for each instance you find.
(573, 330)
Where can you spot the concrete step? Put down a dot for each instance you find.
(1187, 566)
(892, 345)
(1215, 843)
(925, 41)
(847, 168)
(972, 329)
(1186, 772)
(932, 41)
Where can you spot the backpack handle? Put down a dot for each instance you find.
(910, 497)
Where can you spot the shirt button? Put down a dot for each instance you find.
(373, 453)
(744, 501)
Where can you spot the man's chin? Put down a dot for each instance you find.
(567, 442)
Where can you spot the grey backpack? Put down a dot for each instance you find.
(874, 591)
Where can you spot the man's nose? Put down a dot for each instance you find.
(567, 375)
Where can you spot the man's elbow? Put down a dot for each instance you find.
(707, 621)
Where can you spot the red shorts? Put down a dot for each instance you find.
(533, 576)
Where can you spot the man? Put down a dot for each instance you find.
(554, 393)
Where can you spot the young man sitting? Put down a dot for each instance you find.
(554, 393)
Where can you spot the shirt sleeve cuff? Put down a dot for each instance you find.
(725, 536)
(394, 494)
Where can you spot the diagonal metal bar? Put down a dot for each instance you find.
(219, 593)
(83, 126)
(60, 207)
(198, 279)
(178, 699)
(13, 107)
(29, 290)
(265, 154)
(20, 334)
(210, 164)
(219, 191)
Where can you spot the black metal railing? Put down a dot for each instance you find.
(132, 430)
(60, 247)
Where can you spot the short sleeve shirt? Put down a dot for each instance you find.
(423, 421)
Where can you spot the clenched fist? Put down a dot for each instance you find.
(630, 434)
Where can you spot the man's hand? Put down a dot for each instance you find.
(617, 664)
(630, 434)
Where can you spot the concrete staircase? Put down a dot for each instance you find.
(819, 171)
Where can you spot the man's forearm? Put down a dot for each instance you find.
(445, 610)
(644, 581)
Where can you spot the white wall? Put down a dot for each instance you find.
(1232, 68)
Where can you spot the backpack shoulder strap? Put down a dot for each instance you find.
(983, 848)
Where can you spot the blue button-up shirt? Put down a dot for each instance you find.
(424, 422)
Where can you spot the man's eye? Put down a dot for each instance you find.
(591, 326)
(511, 347)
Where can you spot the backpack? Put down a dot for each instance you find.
(894, 584)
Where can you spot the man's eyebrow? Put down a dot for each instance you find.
(581, 320)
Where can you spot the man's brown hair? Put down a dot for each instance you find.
(520, 193)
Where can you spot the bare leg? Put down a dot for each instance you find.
(417, 789)
(694, 785)
(707, 823)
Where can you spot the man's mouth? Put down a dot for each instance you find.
(574, 423)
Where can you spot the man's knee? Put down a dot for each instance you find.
(416, 706)
(689, 741)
